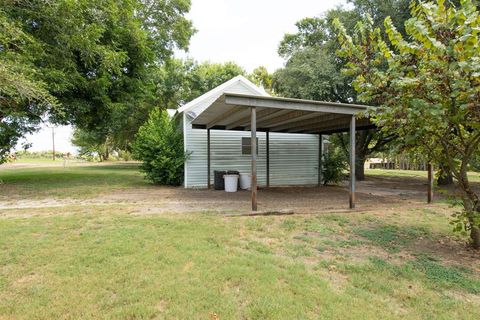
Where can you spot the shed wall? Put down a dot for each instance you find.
(293, 157)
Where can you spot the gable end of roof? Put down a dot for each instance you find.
(220, 90)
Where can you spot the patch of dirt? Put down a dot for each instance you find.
(161, 306)
(336, 280)
(449, 251)
(464, 296)
(27, 280)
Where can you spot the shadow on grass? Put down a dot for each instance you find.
(390, 237)
(431, 272)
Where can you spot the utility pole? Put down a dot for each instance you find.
(53, 142)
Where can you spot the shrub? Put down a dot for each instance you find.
(159, 145)
(475, 165)
(333, 166)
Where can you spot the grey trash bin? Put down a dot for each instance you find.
(218, 183)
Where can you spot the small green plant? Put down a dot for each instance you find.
(390, 237)
(334, 164)
(159, 145)
(447, 276)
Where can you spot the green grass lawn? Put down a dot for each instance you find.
(73, 181)
(91, 262)
(473, 176)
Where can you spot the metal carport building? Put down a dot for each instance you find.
(273, 114)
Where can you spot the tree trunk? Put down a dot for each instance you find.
(471, 205)
(475, 237)
(445, 176)
(361, 151)
(106, 155)
(360, 168)
(363, 141)
(475, 231)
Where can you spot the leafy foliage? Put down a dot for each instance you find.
(475, 165)
(170, 85)
(206, 76)
(24, 99)
(180, 81)
(312, 70)
(92, 145)
(426, 87)
(311, 74)
(334, 165)
(96, 57)
(261, 77)
(159, 145)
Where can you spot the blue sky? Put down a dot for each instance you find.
(245, 31)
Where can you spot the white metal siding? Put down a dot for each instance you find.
(226, 154)
(293, 159)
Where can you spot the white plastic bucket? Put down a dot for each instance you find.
(231, 182)
(245, 181)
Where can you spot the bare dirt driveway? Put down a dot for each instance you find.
(33, 186)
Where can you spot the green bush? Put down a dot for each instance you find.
(159, 145)
(334, 165)
(475, 165)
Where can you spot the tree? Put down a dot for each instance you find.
(397, 10)
(96, 57)
(369, 142)
(312, 70)
(159, 145)
(312, 74)
(261, 77)
(24, 100)
(334, 164)
(426, 87)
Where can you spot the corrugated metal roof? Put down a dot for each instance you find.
(275, 114)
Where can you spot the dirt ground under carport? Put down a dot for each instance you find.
(374, 193)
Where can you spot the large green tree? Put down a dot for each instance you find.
(426, 87)
(206, 76)
(96, 57)
(24, 100)
(312, 70)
